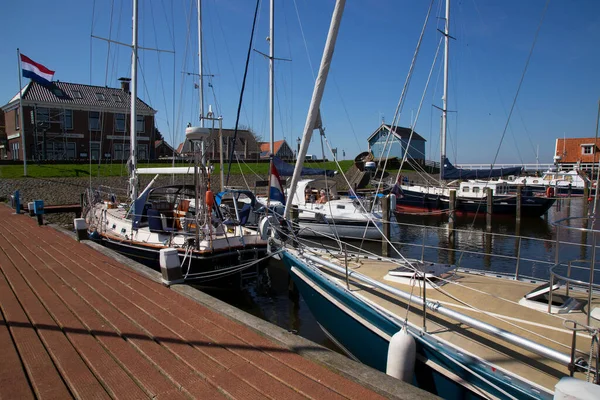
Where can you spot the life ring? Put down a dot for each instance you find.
(550, 192)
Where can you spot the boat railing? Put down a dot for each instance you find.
(499, 255)
(588, 286)
(586, 225)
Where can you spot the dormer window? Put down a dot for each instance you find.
(587, 149)
(117, 98)
(100, 97)
(77, 94)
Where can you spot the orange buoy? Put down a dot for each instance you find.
(550, 192)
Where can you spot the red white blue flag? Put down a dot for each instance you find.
(36, 72)
(276, 189)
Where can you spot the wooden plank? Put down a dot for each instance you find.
(12, 374)
(79, 378)
(113, 378)
(168, 365)
(41, 371)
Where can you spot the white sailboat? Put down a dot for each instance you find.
(183, 217)
(459, 335)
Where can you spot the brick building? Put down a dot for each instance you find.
(70, 121)
(245, 147)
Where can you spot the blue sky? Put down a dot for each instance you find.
(559, 95)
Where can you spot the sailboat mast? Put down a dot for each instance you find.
(201, 76)
(272, 78)
(271, 94)
(200, 69)
(133, 116)
(315, 102)
(445, 96)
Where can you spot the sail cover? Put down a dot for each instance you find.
(450, 172)
(286, 169)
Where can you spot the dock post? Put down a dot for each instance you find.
(452, 211)
(385, 219)
(17, 202)
(38, 209)
(80, 228)
(519, 202)
(489, 209)
(170, 267)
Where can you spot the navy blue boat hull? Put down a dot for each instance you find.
(531, 206)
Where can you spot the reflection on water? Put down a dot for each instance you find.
(471, 246)
(277, 307)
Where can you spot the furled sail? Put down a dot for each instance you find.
(286, 169)
(450, 172)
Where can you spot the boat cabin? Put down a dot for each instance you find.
(477, 188)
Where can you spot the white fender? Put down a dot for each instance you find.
(402, 353)
(264, 227)
(575, 389)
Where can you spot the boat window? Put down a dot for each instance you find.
(341, 207)
(465, 189)
(536, 181)
(476, 189)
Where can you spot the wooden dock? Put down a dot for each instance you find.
(75, 323)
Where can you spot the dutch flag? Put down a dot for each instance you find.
(276, 189)
(35, 72)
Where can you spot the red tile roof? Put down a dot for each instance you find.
(264, 146)
(570, 150)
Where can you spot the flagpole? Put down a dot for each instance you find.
(22, 120)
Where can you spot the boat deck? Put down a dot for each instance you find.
(75, 323)
(494, 301)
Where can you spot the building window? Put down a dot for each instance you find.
(70, 150)
(77, 94)
(95, 150)
(15, 150)
(94, 120)
(100, 97)
(142, 151)
(117, 98)
(121, 151)
(42, 114)
(68, 119)
(139, 124)
(587, 149)
(17, 118)
(120, 122)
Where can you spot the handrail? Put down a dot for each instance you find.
(589, 285)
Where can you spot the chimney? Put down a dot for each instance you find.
(125, 84)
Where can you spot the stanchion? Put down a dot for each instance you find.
(385, 217)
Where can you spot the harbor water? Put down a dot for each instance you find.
(527, 250)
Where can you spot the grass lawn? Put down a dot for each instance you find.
(119, 169)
